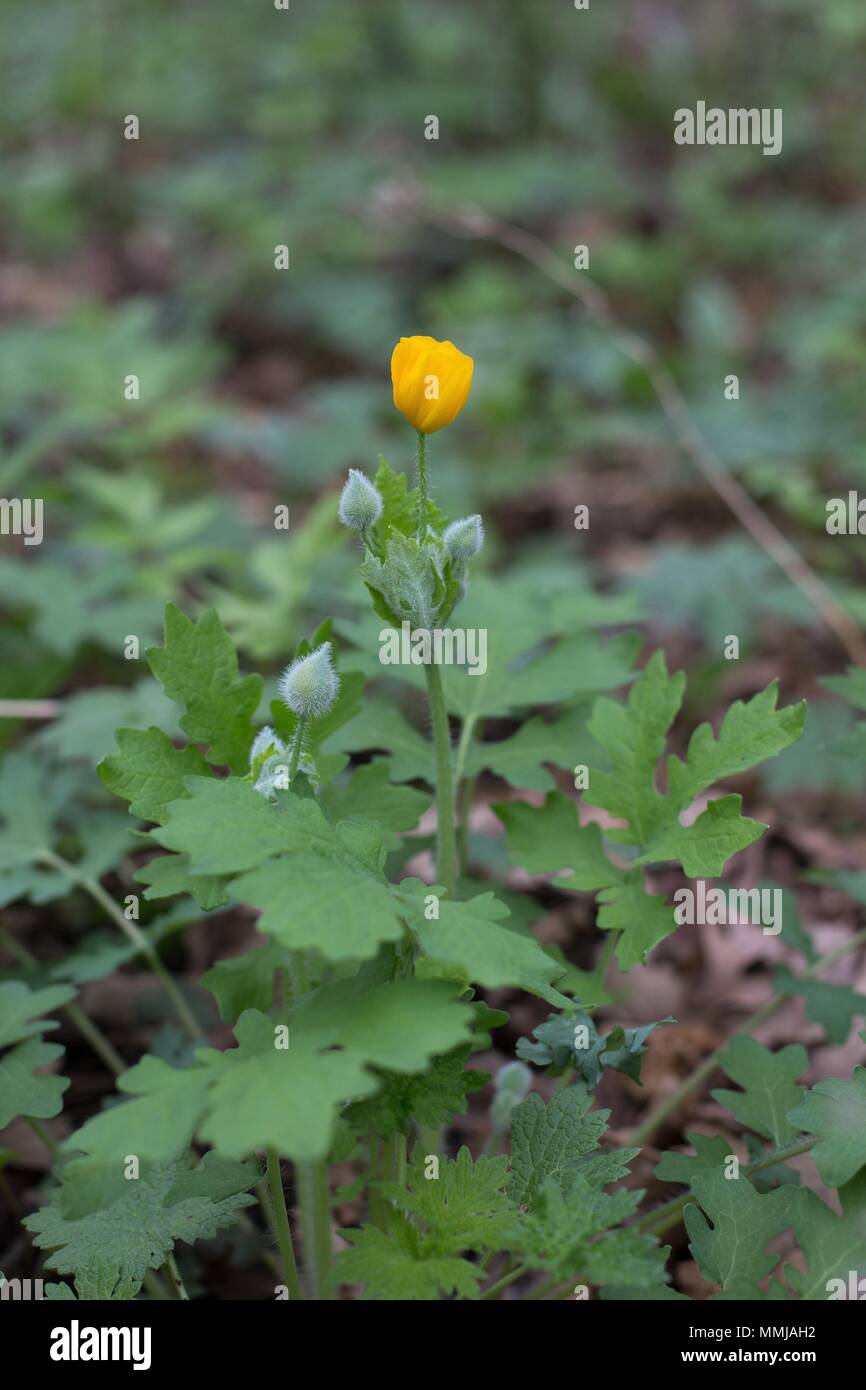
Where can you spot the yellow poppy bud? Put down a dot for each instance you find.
(431, 382)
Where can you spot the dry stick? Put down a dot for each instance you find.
(30, 709)
(474, 222)
(656, 1117)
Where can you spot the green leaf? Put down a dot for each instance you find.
(223, 827)
(381, 725)
(247, 981)
(832, 1007)
(834, 1246)
(157, 1125)
(83, 728)
(851, 686)
(550, 1140)
(335, 904)
(459, 1207)
(560, 1041)
(22, 1009)
(23, 1090)
(148, 771)
(371, 794)
(704, 847)
(400, 505)
(711, 1154)
(643, 919)
(550, 839)
(167, 874)
(470, 935)
(109, 1249)
(571, 1237)
(520, 758)
(198, 667)
(392, 1269)
(464, 1207)
(634, 736)
(263, 1094)
(836, 1111)
(769, 1086)
(430, 1099)
(732, 1252)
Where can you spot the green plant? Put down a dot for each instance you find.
(356, 1021)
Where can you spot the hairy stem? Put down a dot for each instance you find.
(446, 849)
(172, 1274)
(297, 748)
(279, 1219)
(132, 933)
(316, 1226)
(422, 485)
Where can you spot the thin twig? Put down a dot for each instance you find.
(472, 221)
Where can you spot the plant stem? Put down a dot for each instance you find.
(172, 1274)
(507, 1278)
(76, 1015)
(446, 850)
(377, 1211)
(316, 1226)
(466, 792)
(42, 1133)
(297, 747)
(133, 934)
(657, 1117)
(422, 485)
(282, 1229)
(607, 950)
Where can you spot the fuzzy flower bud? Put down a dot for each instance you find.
(309, 686)
(360, 502)
(464, 538)
(511, 1085)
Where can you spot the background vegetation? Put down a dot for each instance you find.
(260, 388)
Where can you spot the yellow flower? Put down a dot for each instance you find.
(431, 382)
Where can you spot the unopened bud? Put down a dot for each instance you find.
(360, 502)
(464, 538)
(309, 686)
(511, 1085)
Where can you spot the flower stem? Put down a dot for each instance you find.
(297, 748)
(446, 849)
(422, 485)
(282, 1229)
(316, 1227)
